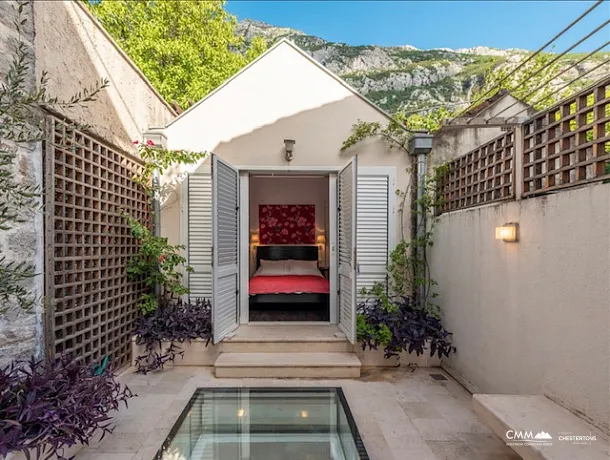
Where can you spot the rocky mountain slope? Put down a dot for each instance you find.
(407, 78)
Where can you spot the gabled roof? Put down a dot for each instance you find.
(490, 102)
(306, 56)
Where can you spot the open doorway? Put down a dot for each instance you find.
(289, 236)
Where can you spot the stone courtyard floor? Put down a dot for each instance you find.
(401, 414)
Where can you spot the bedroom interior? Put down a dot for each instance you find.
(288, 218)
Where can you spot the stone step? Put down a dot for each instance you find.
(537, 414)
(287, 365)
(273, 345)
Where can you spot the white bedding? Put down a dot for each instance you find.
(288, 267)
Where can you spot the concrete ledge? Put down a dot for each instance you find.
(538, 414)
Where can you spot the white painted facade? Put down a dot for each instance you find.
(285, 94)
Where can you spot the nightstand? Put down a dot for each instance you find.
(324, 271)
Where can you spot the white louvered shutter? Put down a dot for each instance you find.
(199, 245)
(373, 230)
(225, 252)
(346, 227)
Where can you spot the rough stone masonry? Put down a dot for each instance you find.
(21, 332)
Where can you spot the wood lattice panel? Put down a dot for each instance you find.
(90, 303)
(483, 175)
(569, 144)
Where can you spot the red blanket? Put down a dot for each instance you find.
(289, 284)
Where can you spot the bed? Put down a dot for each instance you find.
(296, 290)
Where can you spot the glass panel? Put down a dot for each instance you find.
(265, 424)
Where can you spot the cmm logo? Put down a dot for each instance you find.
(528, 436)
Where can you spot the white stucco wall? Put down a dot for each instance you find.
(531, 317)
(281, 96)
(76, 52)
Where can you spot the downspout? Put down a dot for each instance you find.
(160, 142)
(420, 146)
(156, 204)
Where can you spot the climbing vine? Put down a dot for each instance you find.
(404, 315)
(157, 158)
(157, 262)
(408, 271)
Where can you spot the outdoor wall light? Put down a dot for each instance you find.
(288, 148)
(508, 232)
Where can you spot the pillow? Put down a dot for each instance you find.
(304, 267)
(272, 268)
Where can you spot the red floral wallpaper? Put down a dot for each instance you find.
(287, 223)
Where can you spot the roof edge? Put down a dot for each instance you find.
(305, 55)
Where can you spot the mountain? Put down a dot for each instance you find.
(406, 78)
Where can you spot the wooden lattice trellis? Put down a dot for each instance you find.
(90, 304)
(483, 175)
(568, 144)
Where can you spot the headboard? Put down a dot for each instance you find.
(286, 252)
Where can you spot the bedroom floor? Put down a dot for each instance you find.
(289, 313)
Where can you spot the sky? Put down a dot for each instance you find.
(436, 24)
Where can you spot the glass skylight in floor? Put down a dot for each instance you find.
(265, 424)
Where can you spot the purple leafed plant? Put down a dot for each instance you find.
(47, 406)
(397, 325)
(174, 321)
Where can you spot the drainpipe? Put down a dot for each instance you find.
(420, 146)
(156, 205)
(160, 141)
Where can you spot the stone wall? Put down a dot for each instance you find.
(20, 332)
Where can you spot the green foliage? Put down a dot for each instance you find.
(157, 158)
(21, 127)
(525, 80)
(157, 264)
(393, 133)
(185, 48)
(381, 333)
(407, 267)
(148, 303)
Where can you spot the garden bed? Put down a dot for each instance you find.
(196, 353)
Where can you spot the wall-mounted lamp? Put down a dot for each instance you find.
(288, 148)
(508, 232)
(254, 241)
